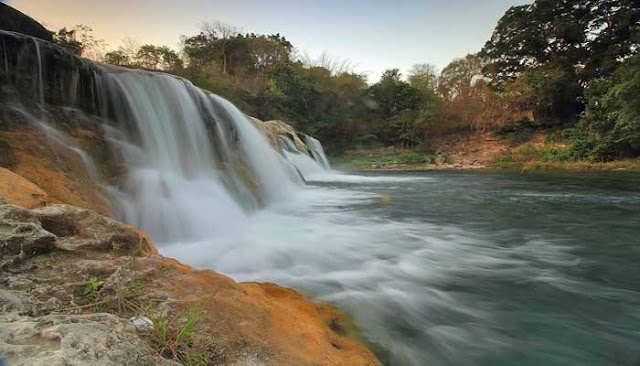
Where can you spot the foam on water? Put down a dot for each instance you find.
(424, 290)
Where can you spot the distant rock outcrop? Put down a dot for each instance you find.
(14, 21)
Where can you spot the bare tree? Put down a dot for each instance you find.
(334, 65)
(129, 47)
(424, 77)
(221, 33)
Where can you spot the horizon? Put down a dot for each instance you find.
(380, 37)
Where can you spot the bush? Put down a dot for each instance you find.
(518, 126)
(412, 158)
(556, 154)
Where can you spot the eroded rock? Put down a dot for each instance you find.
(49, 318)
(17, 190)
(274, 129)
(91, 340)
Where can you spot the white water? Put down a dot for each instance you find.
(472, 279)
(309, 168)
(317, 151)
(173, 133)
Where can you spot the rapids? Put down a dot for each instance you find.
(456, 269)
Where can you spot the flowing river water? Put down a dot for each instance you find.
(438, 268)
(458, 268)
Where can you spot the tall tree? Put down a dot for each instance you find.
(424, 77)
(457, 78)
(222, 34)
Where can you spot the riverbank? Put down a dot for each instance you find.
(76, 286)
(477, 151)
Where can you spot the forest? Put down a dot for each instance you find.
(568, 68)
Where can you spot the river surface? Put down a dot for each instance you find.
(457, 268)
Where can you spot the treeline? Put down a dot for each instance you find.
(569, 67)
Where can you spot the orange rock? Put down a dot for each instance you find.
(242, 323)
(18, 191)
(53, 168)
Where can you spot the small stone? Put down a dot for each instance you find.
(141, 322)
(53, 303)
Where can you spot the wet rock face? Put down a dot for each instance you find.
(15, 21)
(34, 70)
(274, 129)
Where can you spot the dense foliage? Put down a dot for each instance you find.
(566, 66)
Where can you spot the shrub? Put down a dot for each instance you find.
(412, 158)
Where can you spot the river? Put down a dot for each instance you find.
(457, 268)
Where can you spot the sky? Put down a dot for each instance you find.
(372, 35)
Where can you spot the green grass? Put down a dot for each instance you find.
(531, 157)
(173, 337)
(385, 159)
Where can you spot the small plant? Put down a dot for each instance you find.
(125, 291)
(116, 245)
(132, 258)
(174, 340)
(91, 288)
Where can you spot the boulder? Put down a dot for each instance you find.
(274, 129)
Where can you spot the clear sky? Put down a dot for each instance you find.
(373, 35)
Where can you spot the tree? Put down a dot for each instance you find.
(398, 105)
(149, 56)
(457, 78)
(118, 57)
(424, 77)
(555, 94)
(547, 31)
(81, 41)
(171, 61)
(199, 50)
(269, 51)
(221, 33)
(614, 33)
(613, 113)
(158, 57)
(587, 37)
(67, 39)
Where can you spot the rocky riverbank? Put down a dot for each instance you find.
(80, 288)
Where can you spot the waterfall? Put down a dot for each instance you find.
(310, 169)
(317, 151)
(196, 166)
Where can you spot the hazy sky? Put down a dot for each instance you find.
(373, 35)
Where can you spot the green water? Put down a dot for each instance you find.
(540, 270)
(459, 268)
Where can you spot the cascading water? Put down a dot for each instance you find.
(195, 160)
(196, 165)
(428, 280)
(308, 168)
(317, 151)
